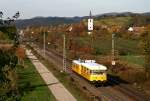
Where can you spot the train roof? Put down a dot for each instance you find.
(90, 64)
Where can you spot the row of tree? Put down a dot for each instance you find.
(10, 55)
(8, 76)
(146, 50)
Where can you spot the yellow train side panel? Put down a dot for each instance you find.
(85, 75)
(78, 70)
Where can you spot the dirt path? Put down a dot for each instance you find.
(58, 90)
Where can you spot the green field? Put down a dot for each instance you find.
(102, 45)
(133, 59)
(31, 85)
(119, 21)
(113, 21)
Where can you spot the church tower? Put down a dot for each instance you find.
(90, 23)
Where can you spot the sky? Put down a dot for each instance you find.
(70, 8)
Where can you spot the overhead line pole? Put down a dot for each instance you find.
(64, 49)
(64, 53)
(44, 43)
(113, 48)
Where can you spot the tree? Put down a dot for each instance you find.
(20, 52)
(8, 82)
(140, 20)
(146, 50)
(8, 62)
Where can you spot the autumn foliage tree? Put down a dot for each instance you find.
(79, 29)
(8, 81)
(20, 52)
(146, 49)
(8, 61)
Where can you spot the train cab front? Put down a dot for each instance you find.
(98, 77)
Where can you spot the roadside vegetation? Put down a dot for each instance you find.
(19, 81)
(8, 76)
(8, 62)
(133, 59)
(31, 85)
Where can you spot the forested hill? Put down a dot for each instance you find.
(44, 21)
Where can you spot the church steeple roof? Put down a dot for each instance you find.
(90, 16)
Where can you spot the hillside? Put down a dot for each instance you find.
(120, 21)
(45, 21)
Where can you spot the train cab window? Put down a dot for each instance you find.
(82, 67)
(90, 72)
(75, 66)
(86, 71)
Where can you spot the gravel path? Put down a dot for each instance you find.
(58, 90)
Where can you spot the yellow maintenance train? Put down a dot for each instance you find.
(90, 70)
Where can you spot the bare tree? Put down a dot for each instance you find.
(1, 14)
(16, 16)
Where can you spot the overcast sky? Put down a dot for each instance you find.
(69, 8)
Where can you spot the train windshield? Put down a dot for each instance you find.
(97, 72)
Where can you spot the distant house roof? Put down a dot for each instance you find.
(131, 29)
(136, 28)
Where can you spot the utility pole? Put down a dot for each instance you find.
(64, 49)
(64, 53)
(113, 49)
(44, 43)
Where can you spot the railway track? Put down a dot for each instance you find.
(118, 92)
(131, 92)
